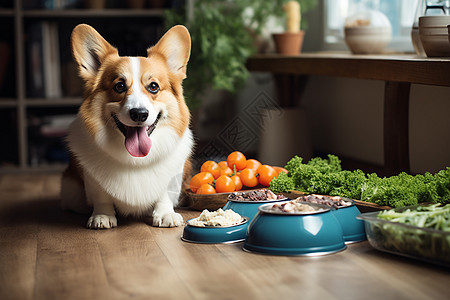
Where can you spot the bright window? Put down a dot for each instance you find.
(399, 12)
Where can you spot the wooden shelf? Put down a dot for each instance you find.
(93, 13)
(8, 103)
(6, 12)
(398, 68)
(44, 102)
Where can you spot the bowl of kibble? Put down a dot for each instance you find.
(216, 227)
(345, 211)
(294, 228)
(246, 203)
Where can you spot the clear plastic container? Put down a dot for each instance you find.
(412, 241)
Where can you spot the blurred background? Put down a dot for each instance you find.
(232, 109)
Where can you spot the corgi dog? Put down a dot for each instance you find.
(130, 143)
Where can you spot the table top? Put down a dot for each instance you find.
(47, 253)
(388, 67)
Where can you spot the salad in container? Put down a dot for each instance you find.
(420, 231)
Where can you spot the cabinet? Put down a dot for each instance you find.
(39, 88)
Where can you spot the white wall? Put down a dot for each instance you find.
(347, 119)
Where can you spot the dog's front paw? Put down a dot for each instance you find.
(101, 222)
(171, 219)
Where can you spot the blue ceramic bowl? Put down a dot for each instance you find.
(247, 208)
(352, 228)
(215, 234)
(302, 233)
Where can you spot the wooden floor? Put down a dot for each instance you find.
(46, 253)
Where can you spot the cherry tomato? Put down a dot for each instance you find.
(280, 169)
(238, 159)
(252, 164)
(199, 179)
(225, 171)
(237, 182)
(205, 189)
(224, 184)
(211, 167)
(265, 174)
(222, 164)
(248, 178)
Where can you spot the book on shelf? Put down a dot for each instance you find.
(5, 57)
(43, 68)
(52, 68)
(56, 125)
(35, 70)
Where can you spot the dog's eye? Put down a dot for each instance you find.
(153, 88)
(120, 87)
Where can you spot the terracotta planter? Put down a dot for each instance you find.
(288, 43)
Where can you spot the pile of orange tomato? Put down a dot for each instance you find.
(232, 175)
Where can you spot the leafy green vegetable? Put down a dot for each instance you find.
(330, 165)
(432, 216)
(313, 177)
(284, 184)
(325, 176)
(348, 184)
(441, 186)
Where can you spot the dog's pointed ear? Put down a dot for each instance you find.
(89, 49)
(175, 47)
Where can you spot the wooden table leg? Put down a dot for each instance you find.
(396, 133)
(289, 88)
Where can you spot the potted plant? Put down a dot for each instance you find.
(223, 34)
(290, 41)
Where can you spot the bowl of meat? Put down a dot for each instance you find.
(345, 211)
(246, 203)
(294, 228)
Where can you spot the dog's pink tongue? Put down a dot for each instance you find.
(137, 141)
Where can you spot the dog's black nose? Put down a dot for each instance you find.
(139, 114)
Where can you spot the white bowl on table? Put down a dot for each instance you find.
(367, 32)
(367, 40)
(434, 35)
(448, 30)
(434, 21)
(436, 45)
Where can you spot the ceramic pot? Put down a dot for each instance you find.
(288, 43)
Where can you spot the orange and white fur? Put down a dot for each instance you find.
(130, 143)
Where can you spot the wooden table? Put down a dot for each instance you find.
(46, 253)
(397, 71)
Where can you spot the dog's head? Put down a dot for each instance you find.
(131, 97)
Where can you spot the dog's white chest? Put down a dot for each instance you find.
(135, 183)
